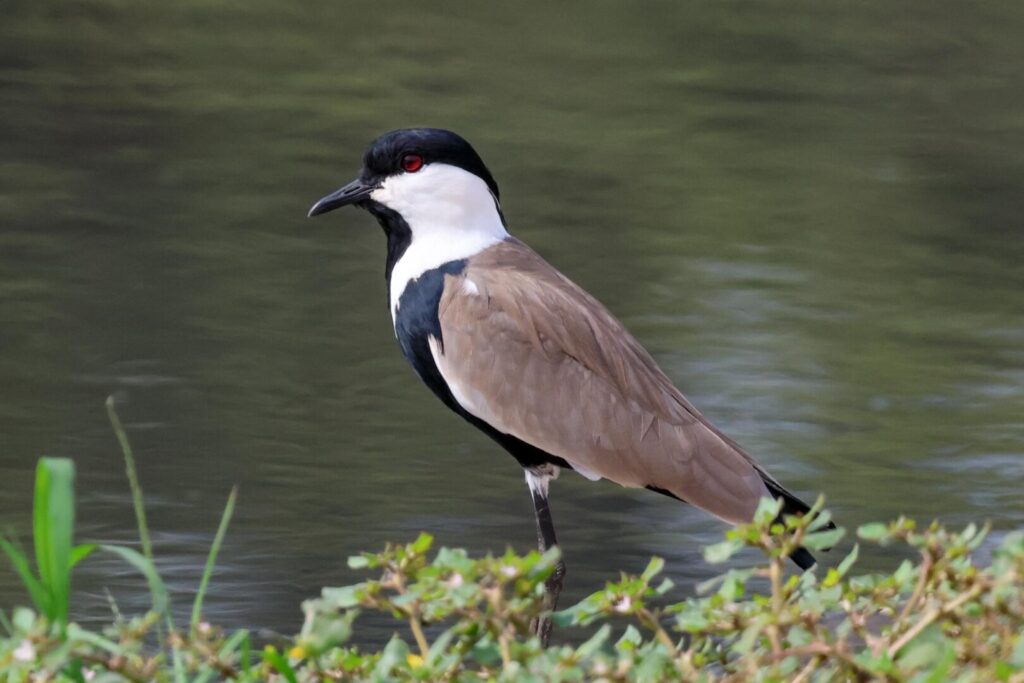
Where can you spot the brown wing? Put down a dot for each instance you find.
(529, 352)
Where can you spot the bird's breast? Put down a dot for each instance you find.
(433, 249)
(417, 322)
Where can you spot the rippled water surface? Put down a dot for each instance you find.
(813, 216)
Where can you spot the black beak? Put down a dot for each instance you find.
(353, 193)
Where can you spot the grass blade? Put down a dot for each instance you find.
(245, 658)
(157, 589)
(133, 479)
(80, 552)
(95, 639)
(40, 598)
(211, 559)
(53, 522)
(238, 640)
(41, 528)
(6, 623)
(177, 662)
(280, 662)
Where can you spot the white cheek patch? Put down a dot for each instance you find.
(451, 213)
(469, 288)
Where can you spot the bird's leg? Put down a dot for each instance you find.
(537, 479)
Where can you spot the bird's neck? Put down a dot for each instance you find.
(423, 244)
(396, 230)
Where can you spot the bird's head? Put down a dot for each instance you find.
(427, 176)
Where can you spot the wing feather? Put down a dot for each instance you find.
(547, 363)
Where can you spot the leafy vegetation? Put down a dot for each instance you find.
(943, 617)
(53, 519)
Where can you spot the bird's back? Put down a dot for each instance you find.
(533, 355)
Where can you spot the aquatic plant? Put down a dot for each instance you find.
(941, 617)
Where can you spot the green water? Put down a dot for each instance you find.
(811, 214)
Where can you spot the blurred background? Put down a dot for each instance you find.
(812, 215)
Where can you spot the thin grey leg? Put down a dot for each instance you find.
(538, 480)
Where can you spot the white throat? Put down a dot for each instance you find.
(451, 213)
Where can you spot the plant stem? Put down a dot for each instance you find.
(925, 571)
(775, 574)
(650, 621)
(133, 479)
(211, 559)
(808, 669)
(506, 655)
(931, 616)
(417, 633)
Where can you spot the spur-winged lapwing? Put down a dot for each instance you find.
(527, 356)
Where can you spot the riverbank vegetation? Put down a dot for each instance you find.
(940, 617)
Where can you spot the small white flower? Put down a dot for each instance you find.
(623, 605)
(204, 628)
(508, 571)
(455, 581)
(25, 652)
(88, 674)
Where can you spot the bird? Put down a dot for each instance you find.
(524, 354)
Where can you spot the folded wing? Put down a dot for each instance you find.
(529, 352)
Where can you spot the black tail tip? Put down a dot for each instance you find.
(803, 558)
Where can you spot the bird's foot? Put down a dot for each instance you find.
(542, 625)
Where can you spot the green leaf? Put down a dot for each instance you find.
(876, 531)
(767, 510)
(394, 654)
(1017, 656)
(358, 562)
(73, 670)
(245, 657)
(277, 660)
(211, 559)
(237, 640)
(595, 643)
(76, 633)
(848, 561)
(53, 521)
(975, 542)
(439, 646)
(36, 591)
(342, 597)
(691, 619)
(422, 543)
(654, 568)
(746, 641)
(630, 640)
(721, 552)
(577, 614)
(820, 540)
(156, 585)
(80, 552)
(820, 520)
(23, 619)
(547, 562)
(905, 574)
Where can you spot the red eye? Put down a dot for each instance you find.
(412, 163)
